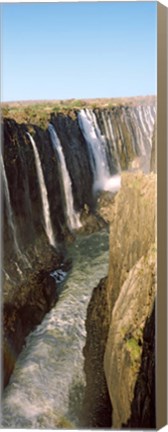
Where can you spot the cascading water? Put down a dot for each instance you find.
(95, 143)
(9, 209)
(46, 388)
(109, 134)
(19, 254)
(128, 133)
(44, 196)
(97, 154)
(140, 124)
(72, 217)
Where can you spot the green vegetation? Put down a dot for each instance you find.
(65, 424)
(134, 349)
(39, 112)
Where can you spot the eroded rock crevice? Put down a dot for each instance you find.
(96, 410)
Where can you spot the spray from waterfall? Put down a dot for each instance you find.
(73, 220)
(96, 148)
(44, 196)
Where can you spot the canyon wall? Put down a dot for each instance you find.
(125, 137)
(122, 366)
(34, 198)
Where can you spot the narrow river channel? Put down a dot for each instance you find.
(46, 387)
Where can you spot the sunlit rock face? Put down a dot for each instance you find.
(120, 348)
(130, 356)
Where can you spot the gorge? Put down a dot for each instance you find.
(71, 182)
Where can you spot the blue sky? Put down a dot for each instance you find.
(78, 50)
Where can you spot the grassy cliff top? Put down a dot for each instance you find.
(38, 112)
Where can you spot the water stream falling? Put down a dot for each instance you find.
(97, 154)
(46, 387)
(72, 216)
(19, 254)
(9, 209)
(109, 134)
(44, 196)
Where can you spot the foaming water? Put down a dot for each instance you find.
(111, 184)
(45, 390)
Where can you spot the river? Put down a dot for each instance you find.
(46, 387)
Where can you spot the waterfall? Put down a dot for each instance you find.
(139, 121)
(109, 133)
(9, 209)
(44, 196)
(124, 126)
(95, 143)
(19, 254)
(145, 120)
(72, 217)
(97, 153)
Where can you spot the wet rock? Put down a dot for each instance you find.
(96, 410)
(25, 307)
(76, 156)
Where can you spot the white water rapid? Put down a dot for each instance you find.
(44, 196)
(46, 387)
(97, 154)
(72, 216)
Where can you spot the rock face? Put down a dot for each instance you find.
(143, 409)
(125, 134)
(126, 364)
(77, 161)
(26, 304)
(126, 340)
(132, 228)
(97, 396)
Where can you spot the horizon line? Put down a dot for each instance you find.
(23, 101)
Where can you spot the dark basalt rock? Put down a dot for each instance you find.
(76, 156)
(25, 309)
(97, 408)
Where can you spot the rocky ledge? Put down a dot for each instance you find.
(120, 346)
